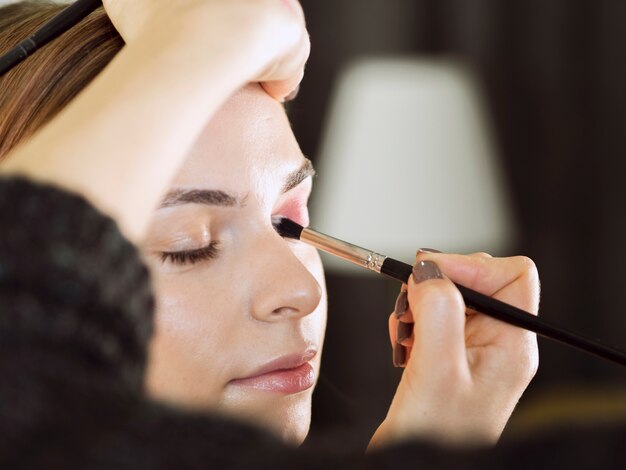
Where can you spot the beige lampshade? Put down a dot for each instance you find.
(407, 161)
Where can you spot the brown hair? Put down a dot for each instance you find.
(32, 93)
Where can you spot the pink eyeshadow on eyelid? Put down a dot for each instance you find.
(296, 211)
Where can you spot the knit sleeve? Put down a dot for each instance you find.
(74, 292)
(69, 277)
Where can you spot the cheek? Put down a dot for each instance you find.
(313, 263)
(316, 322)
(310, 258)
(182, 302)
(188, 361)
(197, 319)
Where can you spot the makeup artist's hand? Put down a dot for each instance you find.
(464, 372)
(272, 33)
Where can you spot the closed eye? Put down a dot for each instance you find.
(191, 256)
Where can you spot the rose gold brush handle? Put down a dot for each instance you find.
(475, 300)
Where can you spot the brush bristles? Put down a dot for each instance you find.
(287, 228)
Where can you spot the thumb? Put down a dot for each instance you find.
(439, 315)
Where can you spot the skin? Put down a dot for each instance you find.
(261, 297)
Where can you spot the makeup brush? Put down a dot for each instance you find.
(487, 305)
(65, 20)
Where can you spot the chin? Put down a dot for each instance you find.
(288, 417)
(294, 427)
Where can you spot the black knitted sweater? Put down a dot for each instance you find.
(76, 313)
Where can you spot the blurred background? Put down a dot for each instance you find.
(525, 108)
(469, 125)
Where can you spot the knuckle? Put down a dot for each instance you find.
(530, 275)
(441, 295)
(528, 266)
(526, 360)
(532, 357)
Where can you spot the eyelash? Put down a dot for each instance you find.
(208, 252)
(191, 256)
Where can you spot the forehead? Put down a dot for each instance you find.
(247, 146)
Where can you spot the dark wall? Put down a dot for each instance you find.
(554, 72)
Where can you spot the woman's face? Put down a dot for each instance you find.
(241, 328)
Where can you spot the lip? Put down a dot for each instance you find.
(287, 374)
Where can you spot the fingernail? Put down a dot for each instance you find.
(425, 270)
(405, 330)
(399, 355)
(402, 303)
(427, 250)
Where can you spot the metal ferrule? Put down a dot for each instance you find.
(355, 254)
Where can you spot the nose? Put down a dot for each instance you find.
(282, 286)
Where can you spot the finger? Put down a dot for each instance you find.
(409, 350)
(401, 356)
(279, 90)
(399, 351)
(287, 74)
(513, 280)
(397, 327)
(403, 325)
(402, 310)
(439, 314)
(393, 328)
(404, 333)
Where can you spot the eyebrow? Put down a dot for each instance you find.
(298, 176)
(209, 197)
(212, 197)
